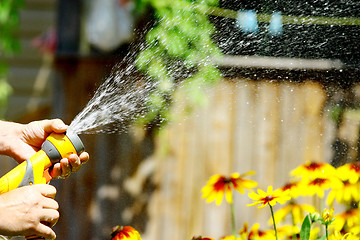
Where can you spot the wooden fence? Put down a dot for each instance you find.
(247, 125)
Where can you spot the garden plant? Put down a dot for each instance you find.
(333, 215)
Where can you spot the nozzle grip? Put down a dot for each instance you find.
(36, 169)
(29, 178)
(51, 151)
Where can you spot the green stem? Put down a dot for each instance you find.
(233, 225)
(326, 232)
(273, 218)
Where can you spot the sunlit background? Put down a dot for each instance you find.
(238, 86)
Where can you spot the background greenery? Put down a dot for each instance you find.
(178, 53)
(9, 44)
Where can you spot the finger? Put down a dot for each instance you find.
(84, 157)
(46, 190)
(56, 171)
(50, 217)
(54, 125)
(44, 231)
(75, 162)
(65, 168)
(49, 203)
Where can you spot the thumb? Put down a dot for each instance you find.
(54, 125)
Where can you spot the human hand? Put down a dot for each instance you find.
(23, 141)
(29, 211)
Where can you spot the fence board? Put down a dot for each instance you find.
(313, 121)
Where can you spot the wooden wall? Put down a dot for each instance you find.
(30, 71)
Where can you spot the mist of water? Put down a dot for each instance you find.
(122, 97)
(119, 100)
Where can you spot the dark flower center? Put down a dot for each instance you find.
(313, 166)
(288, 186)
(268, 198)
(355, 166)
(318, 181)
(221, 183)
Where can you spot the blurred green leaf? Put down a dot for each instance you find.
(181, 39)
(9, 44)
(336, 113)
(3, 70)
(144, 58)
(305, 228)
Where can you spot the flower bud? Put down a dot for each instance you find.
(315, 216)
(328, 215)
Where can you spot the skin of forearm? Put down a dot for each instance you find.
(9, 131)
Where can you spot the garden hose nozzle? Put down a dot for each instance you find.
(35, 170)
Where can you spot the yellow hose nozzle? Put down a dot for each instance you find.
(35, 170)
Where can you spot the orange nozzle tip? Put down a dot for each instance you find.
(47, 175)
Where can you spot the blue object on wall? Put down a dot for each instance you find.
(276, 25)
(247, 21)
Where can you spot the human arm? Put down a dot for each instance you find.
(26, 211)
(21, 141)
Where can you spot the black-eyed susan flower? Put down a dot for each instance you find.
(318, 184)
(270, 197)
(201, 238)
(265, 235)
(218, 186)
(296, 211)
(339, 236)
(315, 178)
(347, 220)
(349, 172)
(292, 232)
(125, 233)
(344, 192)
(231, 237)
(294, 187)
(289, 232)
(255, 233)
(310, 169)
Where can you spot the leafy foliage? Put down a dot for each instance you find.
(178, 52)
(9, 21)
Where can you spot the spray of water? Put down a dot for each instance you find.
(116, 103)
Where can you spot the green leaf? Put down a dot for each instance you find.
(3, 69)
(182, 38)
(175, 45)
(153, 35)
(143, 59)
(212, 2)
(305, 228)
